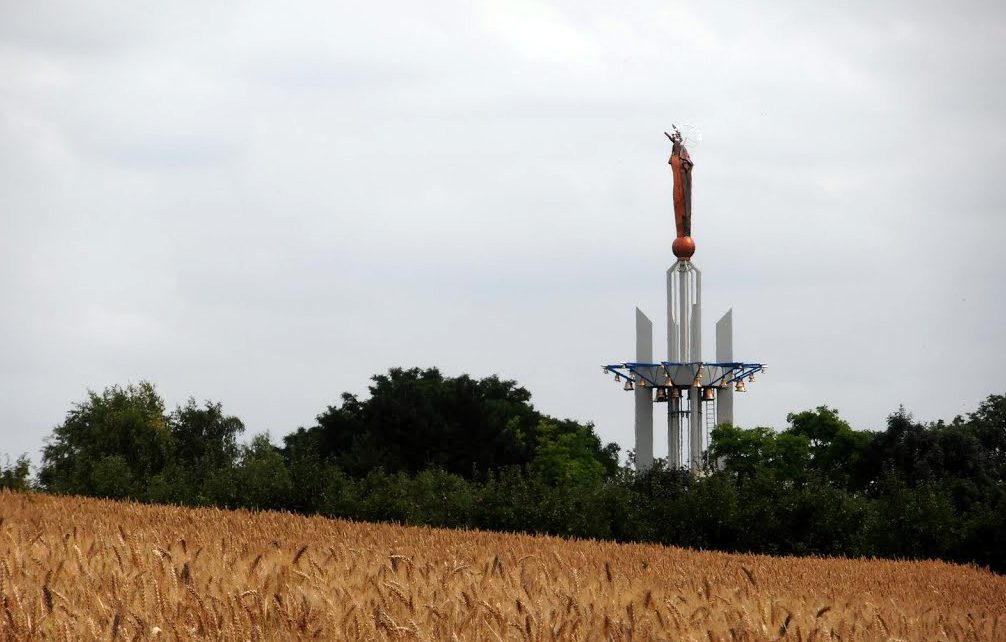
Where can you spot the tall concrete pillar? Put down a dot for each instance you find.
(725, 354)
(684, 345)
(643, 395)
(674, 406)
(695, 425)
(673, 332)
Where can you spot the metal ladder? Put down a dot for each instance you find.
(709, 412)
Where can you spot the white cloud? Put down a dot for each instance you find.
(540, 32)
(265, 207)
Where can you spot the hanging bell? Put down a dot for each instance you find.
(725, 382)
(698, 378)
(740, 387)
(751, 378)
(618, 377)
(675, 393)
(661, 395)
(708, 394)
(628, 385)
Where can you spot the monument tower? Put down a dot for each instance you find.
(697, 394)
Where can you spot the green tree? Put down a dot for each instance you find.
(837, 452)
(263, 480)
(417, 419)
(508, 501)
(988, 425)
(205, 451)
(567, 453)
(439, 498)
(311, 474)
(744, 453)
(112, 477)
(15, 476)
(110, 444)
(953, 455)
(205, 438)
(916, 522)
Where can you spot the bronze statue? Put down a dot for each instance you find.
(681, 166)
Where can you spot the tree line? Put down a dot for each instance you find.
(424, 448)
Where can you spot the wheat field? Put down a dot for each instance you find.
(85, 569)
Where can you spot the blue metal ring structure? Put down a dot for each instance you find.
(722, 374)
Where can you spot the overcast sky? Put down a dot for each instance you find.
(265, 203)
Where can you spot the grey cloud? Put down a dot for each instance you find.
(265, 207)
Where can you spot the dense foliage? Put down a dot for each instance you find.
(429, 449)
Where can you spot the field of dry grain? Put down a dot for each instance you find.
(83, 569)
